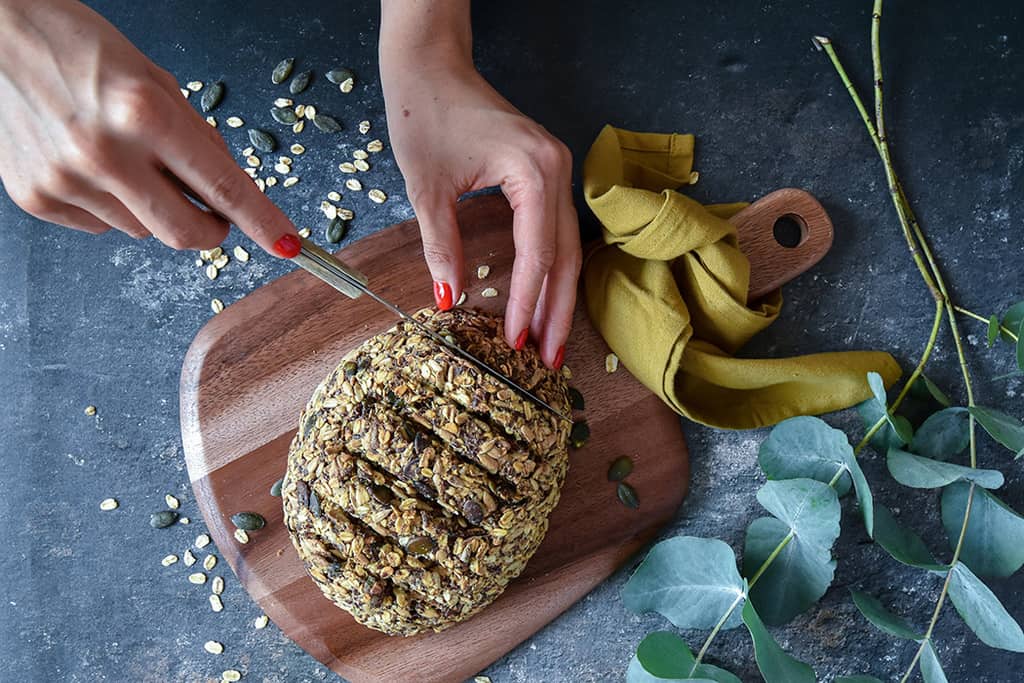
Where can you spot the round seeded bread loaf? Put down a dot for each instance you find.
(419, 486)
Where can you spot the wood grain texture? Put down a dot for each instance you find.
(252, 368)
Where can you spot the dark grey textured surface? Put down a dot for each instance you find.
(107, 320)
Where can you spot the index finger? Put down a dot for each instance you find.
(533, 231)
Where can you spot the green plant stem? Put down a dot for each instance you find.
(778, 549)
(929, 347)
(714, 632)
(972, 314)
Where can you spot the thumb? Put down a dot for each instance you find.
(442, 247)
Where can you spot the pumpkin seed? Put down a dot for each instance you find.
(202, 540)
(283, 169)
(360, 154)
(350, 368)
(339, 75)
(261, 621)
(346, 85)
(354, 184)
(241, 536)
(275, 490)
(163, 519)
(215, 603)
(194, 86)
(90, 410)
(230, 675)
(172, 502)
(299, 125)
(169, 560)
(472, 511)
(288, 182)
(364, 127)
(262, 140)
(218, 585)
(483, 271)
(382, 493)
(297, 149)
(284, 115)
(489, 293)
(188, 558)
(611, 363)
(374, 146)
(361, 165)
(212, 96)
(213, 647)
(327, 124)
(620, 468)
(377, 196)
(108, 504)
(283, 102)
(314, 504)
(198, 578)
(209, 562)
(421, 545)
(248, 521)
(627, 495)
(300, 82)
(576, 399)
(346, 167)
(282, 71)
(240, 253)
(212, 121)
(334, 196)
(579, 433)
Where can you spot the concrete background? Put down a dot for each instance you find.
(107, 320)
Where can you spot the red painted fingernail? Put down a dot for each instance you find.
(559, 357)
(442, 295)
(521, 339)
(288, 246)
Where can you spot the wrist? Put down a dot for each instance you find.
(424, 35)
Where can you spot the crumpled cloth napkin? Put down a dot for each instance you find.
(668, 292)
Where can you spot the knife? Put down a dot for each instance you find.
(353, 284)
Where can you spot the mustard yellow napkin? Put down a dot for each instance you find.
(668, 292)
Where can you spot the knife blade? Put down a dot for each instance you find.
(353, 284)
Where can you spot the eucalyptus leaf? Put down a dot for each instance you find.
(1013, 318)
(690, 581)
(943, 435)
(937, 393)
(775, 664)
(1004, 428)
(919, 472)
(870, 413)
(983, 612)
(636, 673)
(877, 385)
(993, 542)
(931, 670)
(881, 618)
(993, 330)
(806, 447)
(665, 656)
(808, 507)
(857, 679)
(864, 498)
(1020, 346)
(901, 543)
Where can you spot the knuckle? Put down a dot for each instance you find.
(227, 190)
(437, 254)
(539, 258)
(551, 155)
(177, 240)
(90, 153)
(32, 200)
(133, 107)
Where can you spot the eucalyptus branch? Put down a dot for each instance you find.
(714, 632)
(972, 314)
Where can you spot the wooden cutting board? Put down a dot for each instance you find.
(252, 368)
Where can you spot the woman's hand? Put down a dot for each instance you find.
(453, 133)
(97, 136)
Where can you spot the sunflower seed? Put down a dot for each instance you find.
(253, 161)
(377, 196)
(215, 603)
(620, 468)
(303, 232)
(346, 85)
(248, 521)
(374, 146)
(172, 502)
(364, 127)
(346, 167)
(212, 121)
(297, 149)
(212, 96)
(194, 86)
(483, 271)
(209, 562)
(282, 71)
(90, 410)
(275, 490)
(327, 124)
(289, 181)
(262, 140)
(218, 584)
(360, 154)
(627, 495)
(489, 293)
(188, 558)
(611, 363)
(310, 112)
(108, 504)
(346, 214)
(230, 675)
(283, 102)
(169, 560)
(284, 115)
(339, 75)
(241, 536)
(283, 169)
(300, 82)
(213, 647)
(202, 540)
(336, 230)
(163, 519)
(354, 184)
(211, 271)
(330, 210)
(299, 125)
(240, 253)
(576, 399)
(361, 165)
(198, 578)
(334, 196)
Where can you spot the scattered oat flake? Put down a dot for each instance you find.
(346, 85)
(172, 502)
(298, 126)
(346, 214)
(291, 180)
(261, 621)
(216, 305)
(611, 363)
(334, 196)
(283, 169)
(330, 210)
(297, 149)
(108, 504)
(247, 151)
(261, 184)
(364, 127)
(482, 679)
(360, 154)
(230, 675)
(252, 160)
(483, 271)
(374, 146)
(361, 165)
(300, 110)
(188, 558)
(211, 271)
(198, 578)
(694, 177)
(218, 585)
(209, 562)
(212, 121)
(90, 410)
(185, 91)
(194, 86)
(462, 298)
(241, 536)
(346, 167)
(213, 647)
(354, 184)
(202, 540)
(169, 560)
(304, 232)
(184, 520)
(377, 196)
(566, 372)
(240, 253)
(271, 181)
(283, 102)
(310, 112)
(199, 261)
(215, 603)
(489, 293)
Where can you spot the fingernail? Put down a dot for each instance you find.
(442, 295)
(559, 357)
(521, 339)
(288, 246)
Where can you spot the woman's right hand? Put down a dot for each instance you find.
(96, 134)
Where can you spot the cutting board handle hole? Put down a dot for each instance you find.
(790, 230)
